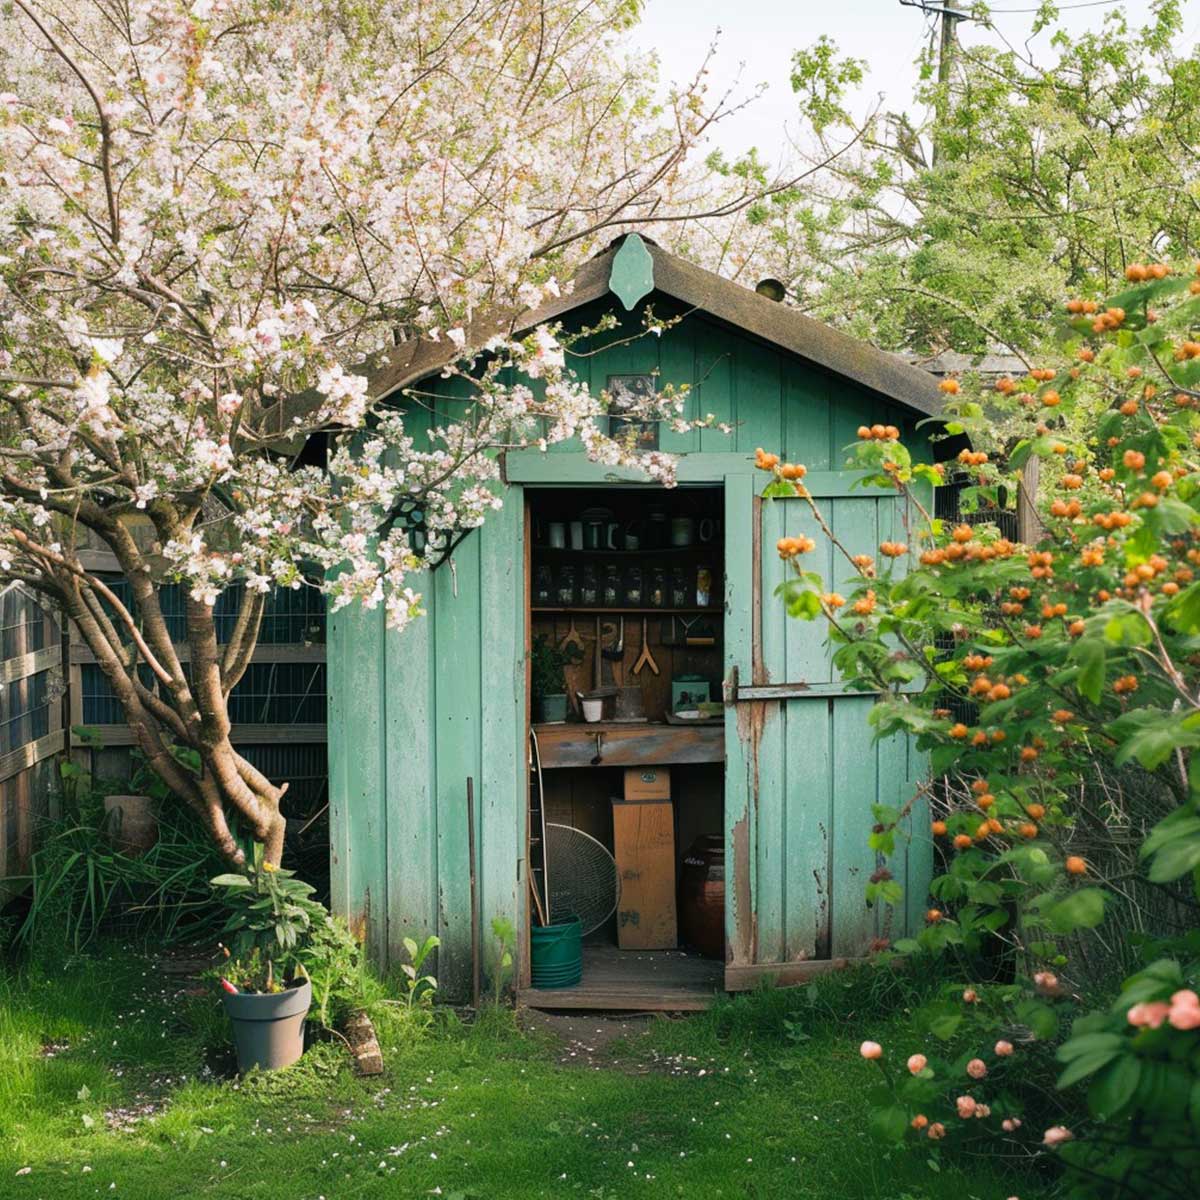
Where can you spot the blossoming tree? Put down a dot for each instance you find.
(216, 218)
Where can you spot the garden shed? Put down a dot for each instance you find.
(731, 769)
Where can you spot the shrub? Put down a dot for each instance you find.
(1015, 668)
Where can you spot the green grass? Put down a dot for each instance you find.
(733, 1103)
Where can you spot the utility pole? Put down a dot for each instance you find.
(950, 15)
(949, 40)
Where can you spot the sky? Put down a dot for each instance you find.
(758, 37)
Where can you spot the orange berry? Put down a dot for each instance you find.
(950, 387)
(962, 841)
(938, 828)
(1028, 754)
(1036, 811)
(958, 730)
(1027, 829)
(1075, 865)
(933, 915)
(1135, 460)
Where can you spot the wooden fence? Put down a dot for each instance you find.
(54, 700)
(32, 685)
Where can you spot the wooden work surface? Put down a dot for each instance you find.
(636, 981)
(627, 745)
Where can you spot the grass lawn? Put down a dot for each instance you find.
(104, 1092)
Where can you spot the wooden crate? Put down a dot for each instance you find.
(644, 847)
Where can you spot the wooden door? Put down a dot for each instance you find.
(802, 768)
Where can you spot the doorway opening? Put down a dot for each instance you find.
(625, 603)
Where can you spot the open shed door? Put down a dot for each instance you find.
(802, 770)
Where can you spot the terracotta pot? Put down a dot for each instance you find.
(702, 897)
(131, 822)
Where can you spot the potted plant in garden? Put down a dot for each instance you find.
(549, 683)
(267, 991)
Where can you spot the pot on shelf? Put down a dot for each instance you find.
(551, 709)
(131, 822)
(268, 1027)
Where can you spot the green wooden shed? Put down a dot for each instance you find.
(776, 775)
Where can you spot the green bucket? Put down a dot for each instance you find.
(557, 954)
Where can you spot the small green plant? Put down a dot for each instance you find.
(505, 934)
(419, 988)
(547, 663)
(270, 922)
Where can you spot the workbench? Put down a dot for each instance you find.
(628, 744)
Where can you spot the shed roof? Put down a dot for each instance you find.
(730, 302)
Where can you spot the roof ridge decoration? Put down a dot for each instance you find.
(631, 276)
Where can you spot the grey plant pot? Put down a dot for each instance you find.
(552, 709)
(268, 1030)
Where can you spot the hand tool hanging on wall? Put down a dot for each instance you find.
(572, 638)
(645, 659)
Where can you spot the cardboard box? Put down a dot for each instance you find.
(644, 847)
(648, 783)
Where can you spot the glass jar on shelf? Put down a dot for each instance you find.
(611, 592)
(704, 582)
(656, 592)
(589, 586)
(543, 587)
(633, 587)
(680, 592)
(566, 587)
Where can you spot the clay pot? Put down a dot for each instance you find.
(702, 897)
(131, 822)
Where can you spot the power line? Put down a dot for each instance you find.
(1059, 7)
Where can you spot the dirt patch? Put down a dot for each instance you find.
(585, 1039)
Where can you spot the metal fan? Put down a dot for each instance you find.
(582, 877)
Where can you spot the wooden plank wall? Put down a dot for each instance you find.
(412, 715)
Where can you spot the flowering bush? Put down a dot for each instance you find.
(1019, 668)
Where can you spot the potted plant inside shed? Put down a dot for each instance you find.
(267, 992)
(548, 681)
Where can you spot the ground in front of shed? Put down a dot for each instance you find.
(106, 1088)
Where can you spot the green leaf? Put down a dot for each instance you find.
(1082, 909)
(889, 1123)
(1089, 654)
(1114, 1087)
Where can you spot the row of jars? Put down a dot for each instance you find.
(634, 586)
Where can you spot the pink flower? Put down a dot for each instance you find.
(871, 1050)
(916, 1064)
(1185, 1016)
(966, 1106)
(1056, 1135)
(977, 1068)
(970, 996)
(919, 1122)
(1010, 1124)
(1148, 1015)
(1003, 1049)
(982, 1110)
(1047, 982)
(936, 1131)
(1185, 1010)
